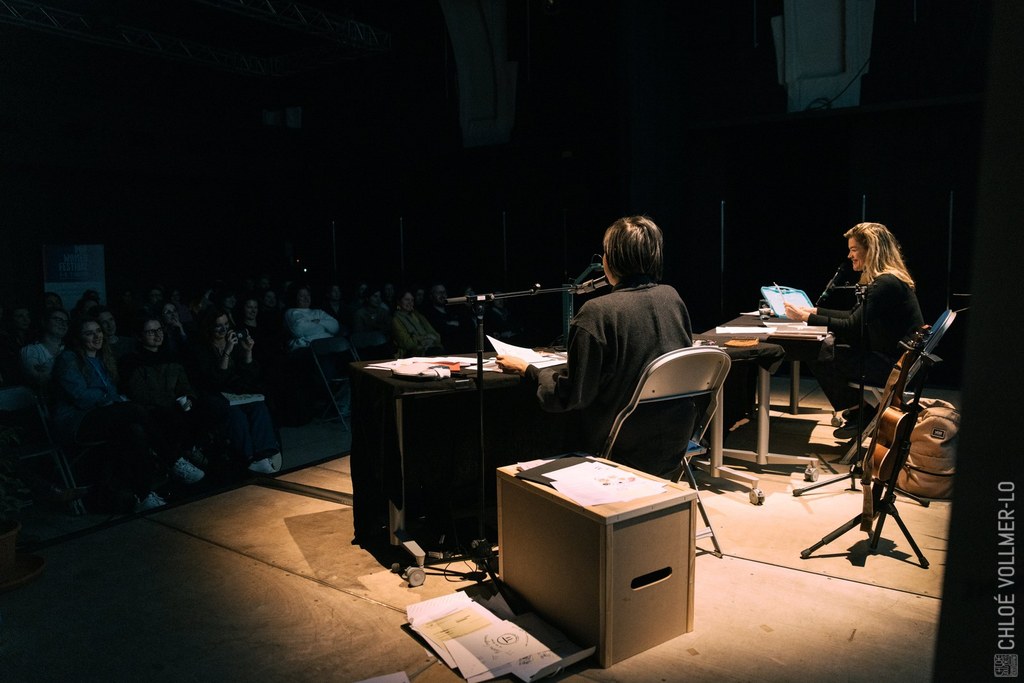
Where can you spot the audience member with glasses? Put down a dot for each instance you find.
(90, 409)
(156, 380)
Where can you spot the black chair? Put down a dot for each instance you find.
(694, 375)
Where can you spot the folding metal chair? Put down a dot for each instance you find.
(694, 373)
(22, 409)
(330, 355)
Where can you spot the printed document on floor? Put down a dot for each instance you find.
(482, 646)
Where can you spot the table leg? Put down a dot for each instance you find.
(714, 464)
(762, 456)
(396, 514)
(794, 387)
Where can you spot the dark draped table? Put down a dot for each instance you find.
(416, 454)
(416, 449)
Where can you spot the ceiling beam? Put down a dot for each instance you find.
(354, 36)
(300, 17)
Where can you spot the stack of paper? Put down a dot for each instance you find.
(797, 330)
(481, 646)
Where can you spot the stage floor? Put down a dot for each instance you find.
(264, 582)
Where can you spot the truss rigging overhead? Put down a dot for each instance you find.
(309, 19)
(346, 38)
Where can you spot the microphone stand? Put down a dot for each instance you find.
(856, 468)
(831, 285)
(482, 551)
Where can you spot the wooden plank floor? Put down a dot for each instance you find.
(261, 583)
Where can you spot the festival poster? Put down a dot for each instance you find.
(70, 269)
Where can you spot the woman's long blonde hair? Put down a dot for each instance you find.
(882, 252)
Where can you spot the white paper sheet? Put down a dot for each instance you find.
(595, 483)
(437, 619)
(534, 358)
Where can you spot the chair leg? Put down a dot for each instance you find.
(708, 530)
(68, 477)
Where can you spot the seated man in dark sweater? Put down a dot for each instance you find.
(612, 339)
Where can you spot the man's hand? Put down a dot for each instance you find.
(512, 364)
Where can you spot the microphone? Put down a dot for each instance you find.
(833, 282)
(590, 285)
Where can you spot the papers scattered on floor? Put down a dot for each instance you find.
(468, 637)
(534, 358)
(595, 483)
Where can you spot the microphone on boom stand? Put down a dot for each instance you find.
(590, 285)
(835, 282)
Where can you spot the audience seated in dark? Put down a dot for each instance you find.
(371, 333)
(16, 331)
(271, 323)
(305, 323)
(373, 315)
(413, 334)
(53, 300)
(224, 298)
(184, 314)
(118, 344)
(85, 304)
(500, 323)
(89, 408)
(354, 302)
(389, 296)
(156, 380)
(154, 299)
(176, 335)
(454, 323)
(37, 359)
(270, 303)
(337, 308)
(225, 366)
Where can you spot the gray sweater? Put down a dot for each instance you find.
(611, 340)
